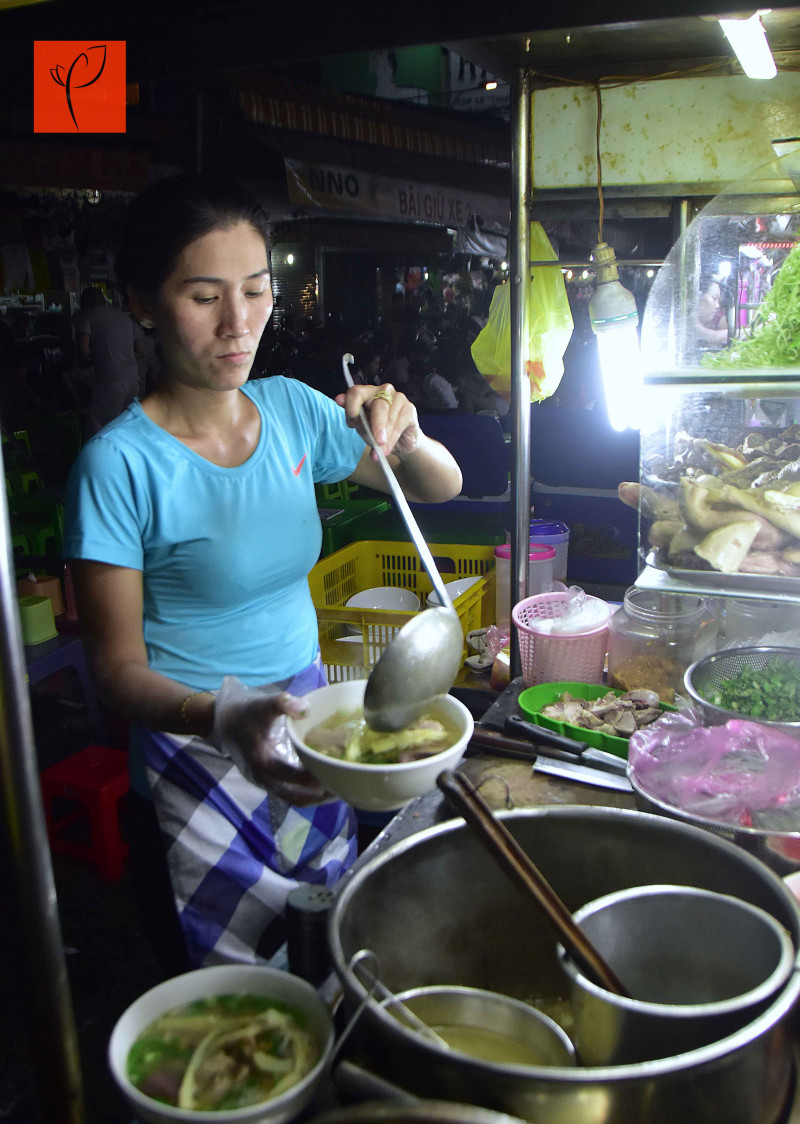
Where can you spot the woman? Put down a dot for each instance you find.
(711, 323)
(192, 526)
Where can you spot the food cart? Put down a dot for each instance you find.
(680, 371)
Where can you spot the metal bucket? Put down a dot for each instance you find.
(435, 910)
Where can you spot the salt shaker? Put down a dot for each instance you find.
(307, 910)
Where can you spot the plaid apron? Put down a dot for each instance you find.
(234, 851)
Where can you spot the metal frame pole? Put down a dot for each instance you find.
(55, 1041)
(520, 383)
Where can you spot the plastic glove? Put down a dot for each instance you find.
(250, 728)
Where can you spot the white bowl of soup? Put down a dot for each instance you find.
(232, 1044)
(377, 772)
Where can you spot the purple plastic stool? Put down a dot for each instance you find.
(62, 651)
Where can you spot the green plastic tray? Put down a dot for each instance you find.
(533, 700)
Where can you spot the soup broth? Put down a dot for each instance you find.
(347, 736)
(222, 1053)
(490, 1045)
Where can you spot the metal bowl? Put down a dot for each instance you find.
(780, 850)
(476, 1008)
(704, 676)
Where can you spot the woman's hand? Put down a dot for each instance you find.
(250, 727)
(425, 470)
(392, 417)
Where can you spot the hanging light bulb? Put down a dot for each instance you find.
(614, 319)
(749, 42)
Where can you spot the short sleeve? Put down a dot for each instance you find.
(104, 510)
(337, 447)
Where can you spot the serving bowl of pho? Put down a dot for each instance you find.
(375, 771)
(232, 1044)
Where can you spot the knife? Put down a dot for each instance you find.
(522, 750)
(568, 749)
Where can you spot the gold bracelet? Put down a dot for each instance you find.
(182, 709)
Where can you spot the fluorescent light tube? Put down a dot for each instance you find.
(614, 318)
(749, 42)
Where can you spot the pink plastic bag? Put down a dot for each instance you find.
(742, 773)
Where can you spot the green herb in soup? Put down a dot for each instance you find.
(222, 1053)
(347, 736)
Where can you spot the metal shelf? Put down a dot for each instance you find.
(711, 584)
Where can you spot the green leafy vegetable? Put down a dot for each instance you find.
(772, 693)
(775, 338)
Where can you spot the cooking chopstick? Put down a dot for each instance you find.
(522, 870)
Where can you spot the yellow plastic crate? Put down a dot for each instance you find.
(363, 565)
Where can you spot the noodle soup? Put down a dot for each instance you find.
(347, 737)
(222, 1053)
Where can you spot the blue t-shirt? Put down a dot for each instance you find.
(225, 552)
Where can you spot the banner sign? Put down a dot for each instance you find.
(29, 164)
(366, 193)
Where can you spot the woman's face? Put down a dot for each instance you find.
(212, 309)
(709, 301)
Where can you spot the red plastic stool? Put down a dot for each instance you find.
(96, 779)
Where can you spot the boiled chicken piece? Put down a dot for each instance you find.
(663, 531)
(726, 548)
(624, 724)
(653, 505)
(764, 562)
(642, 698)
(647, 715)
(617, 715)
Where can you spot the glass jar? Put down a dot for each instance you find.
(654, 637)
(752, 619)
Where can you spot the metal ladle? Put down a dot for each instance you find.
(423, 658)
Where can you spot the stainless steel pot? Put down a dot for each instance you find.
(436, 911)
(697, 966)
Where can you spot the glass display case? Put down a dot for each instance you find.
(719, 491)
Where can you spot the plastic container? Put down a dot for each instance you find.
(360, 565)
(549, 656)
(43, 585)
(550, 532)
(36, 619)
(655, 636)
(752, 618)
(541, 560)
(533, 700)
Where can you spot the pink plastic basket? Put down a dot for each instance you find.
(555, 658)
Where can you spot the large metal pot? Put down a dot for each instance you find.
(435, 910)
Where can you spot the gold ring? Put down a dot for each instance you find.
(385, 395)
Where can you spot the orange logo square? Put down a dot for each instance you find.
(79, 86)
